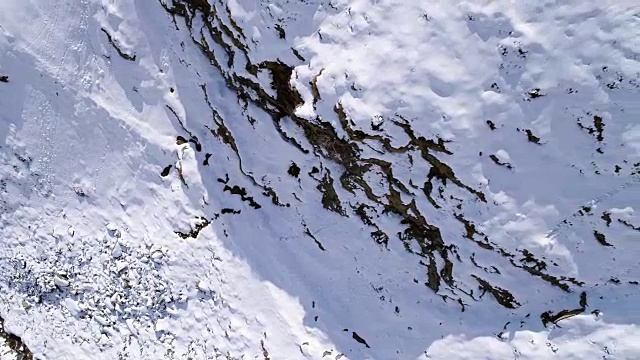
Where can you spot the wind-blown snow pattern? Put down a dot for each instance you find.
(345, 179)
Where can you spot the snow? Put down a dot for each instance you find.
(103, 257)
(585, 338)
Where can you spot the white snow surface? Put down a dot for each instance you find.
(92, 264)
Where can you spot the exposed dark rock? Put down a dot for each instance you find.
(359, 339)
(120, 52)
(15, 343)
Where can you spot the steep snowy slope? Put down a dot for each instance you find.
(346, 179)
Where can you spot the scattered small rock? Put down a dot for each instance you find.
(534, 94)
(294, 170)
(280, 31)
(532, 138)
(601, 238)
(359, 339)
(501, 163)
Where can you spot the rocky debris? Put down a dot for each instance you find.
(597, 129)
(15, 344)
(127, 288)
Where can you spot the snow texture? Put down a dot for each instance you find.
(344, 179)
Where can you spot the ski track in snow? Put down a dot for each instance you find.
(101, 257)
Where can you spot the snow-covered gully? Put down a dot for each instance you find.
(343, 179)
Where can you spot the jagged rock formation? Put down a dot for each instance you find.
(358, 155)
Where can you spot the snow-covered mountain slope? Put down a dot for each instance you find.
(346, 179)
